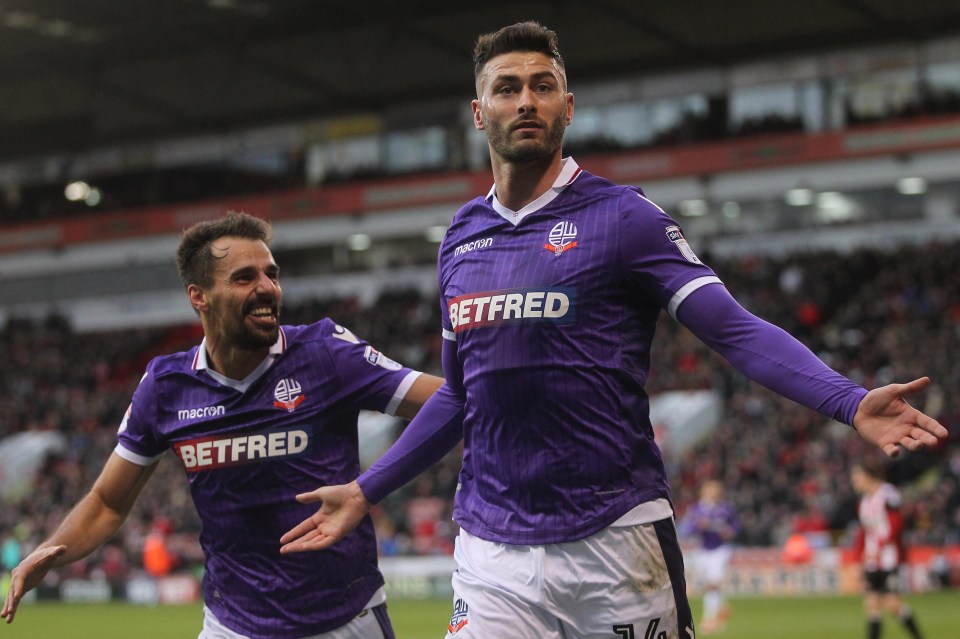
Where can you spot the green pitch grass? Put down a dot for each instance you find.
(766, 618)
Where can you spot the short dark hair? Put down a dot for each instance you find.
(195, 260)
(523, 36)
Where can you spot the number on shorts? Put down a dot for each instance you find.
(626, 631)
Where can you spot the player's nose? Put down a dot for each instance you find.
(267, 284)
(526, 102)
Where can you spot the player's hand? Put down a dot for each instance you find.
(28, 575)
(342, 509)
(885, 419)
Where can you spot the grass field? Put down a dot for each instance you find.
(753, 618)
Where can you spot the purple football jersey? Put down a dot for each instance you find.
(553, 319)
(711, 524)
(248, 449)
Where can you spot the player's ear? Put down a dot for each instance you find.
(477, 116)
(198, 298)
(569, 100)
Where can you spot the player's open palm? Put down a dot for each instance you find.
(28, 576)
(885, 419)
(342, 509)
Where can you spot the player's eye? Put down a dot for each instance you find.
(243, 277)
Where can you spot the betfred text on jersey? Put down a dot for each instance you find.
(492, 308)
(218, 452)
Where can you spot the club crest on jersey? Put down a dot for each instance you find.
(675, 235)
(288, 394)
(459, 618)
(562, 237)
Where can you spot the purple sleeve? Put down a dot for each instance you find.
(430, 435)
(370, 379)
(768, 354)
(137, 433)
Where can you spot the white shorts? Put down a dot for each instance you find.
(711, 565)
(371, 623)
(621, 582)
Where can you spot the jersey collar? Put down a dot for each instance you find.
(568, 173)
(200, 363)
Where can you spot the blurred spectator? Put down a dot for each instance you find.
(158, 559)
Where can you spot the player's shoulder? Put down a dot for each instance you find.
(296, 333)
(469, 209)
(471, 220)
(630, 198)
(170, 364)
(325, 333)
(316, 334)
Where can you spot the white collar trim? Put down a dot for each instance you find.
(568, 173)
(200, 363)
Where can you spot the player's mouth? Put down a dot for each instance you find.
(528, 125)
(263, 314)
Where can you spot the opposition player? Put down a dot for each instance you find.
(713, 523)
(551, 286)
(257, 413)
(880, 547)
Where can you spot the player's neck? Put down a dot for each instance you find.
(232, 362)
(520, 183)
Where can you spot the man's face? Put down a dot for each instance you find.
(523, 106)
(243, 304)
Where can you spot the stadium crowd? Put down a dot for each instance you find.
(875, 315)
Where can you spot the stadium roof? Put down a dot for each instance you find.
(78, 74)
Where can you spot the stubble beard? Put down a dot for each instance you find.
(255, 337)
(525, 150)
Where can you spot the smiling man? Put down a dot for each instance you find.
(257, 413)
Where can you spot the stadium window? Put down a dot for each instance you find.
(882, 95)
(416, 150)
(629, 123)
(345, 158)
(943, 83)
(676, 119)
(587, 126)
(766, 108)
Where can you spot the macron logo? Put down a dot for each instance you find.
(476, 245)
(199, 413)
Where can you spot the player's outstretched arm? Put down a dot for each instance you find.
(885, 419)
(342, 509)
(91, 522)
